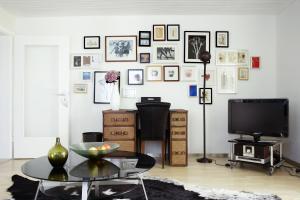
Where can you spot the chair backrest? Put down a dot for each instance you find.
(153, 120)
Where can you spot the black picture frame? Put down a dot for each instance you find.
(131, 82)
(85, 38)
(96, 89)
(218, 45)
(154, 32)
(142, 60)
(168, 34)
(189, 56)
(200, 96)
(165, 74)
(142, 38)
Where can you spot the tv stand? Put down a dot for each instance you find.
(264, 153)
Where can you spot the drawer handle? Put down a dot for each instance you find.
(178, 119)
(178, 133)
(118, 133)
(178, 153)
(119, 119)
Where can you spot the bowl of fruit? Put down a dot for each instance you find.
(94, 150)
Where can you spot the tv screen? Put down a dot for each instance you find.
(268, 117)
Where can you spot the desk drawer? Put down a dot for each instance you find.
(119, 119)
(178, 133)
(126, 145)
(178, 119)
(119, 133)
(178, 153)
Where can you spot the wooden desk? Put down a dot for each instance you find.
(120, 127)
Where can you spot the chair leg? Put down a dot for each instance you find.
(163, 153)
(142, 146)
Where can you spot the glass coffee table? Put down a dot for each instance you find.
(119, 167)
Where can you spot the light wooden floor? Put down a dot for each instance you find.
(206, 175)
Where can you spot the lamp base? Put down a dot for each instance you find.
(204, 160)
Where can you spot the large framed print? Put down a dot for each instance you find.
(103, 90)
(165, 53)
(195, 42)
(120, 48)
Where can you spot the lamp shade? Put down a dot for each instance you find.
(205, 56)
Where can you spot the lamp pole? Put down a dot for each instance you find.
(205, 58)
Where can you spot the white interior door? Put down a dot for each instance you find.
(41, 94)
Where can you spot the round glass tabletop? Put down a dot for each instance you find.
(117, 165)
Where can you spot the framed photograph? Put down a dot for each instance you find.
(102, 90)
(165, 53)
(120, 48)
(243, 73)
(207, 95)
(195, 42)
(193, 91)
(144, 57)
(135, 77)
(226, 80)
(189, 73)
(171, 73)
(144, 38)
(222, 39)
(173, 32)
(154, 73)
(232, 57)
(255, 62)
(159, 32)
(80, 88)
(80, 61)
(76, 60)
(86, 76)
(91, 42)
(211, 79)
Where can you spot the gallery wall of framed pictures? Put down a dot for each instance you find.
(159, 54)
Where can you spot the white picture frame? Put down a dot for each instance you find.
(212, 77)
(82, 61)
(226, 80)
(165, 53)
(231, 57)
(103, 90)
(189, 74)
(80, 88)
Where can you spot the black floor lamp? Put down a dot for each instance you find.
(205, 58)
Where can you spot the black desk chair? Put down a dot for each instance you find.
(153, 118)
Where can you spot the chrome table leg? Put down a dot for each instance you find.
(37, 190)
(84, 190)
(142, 183)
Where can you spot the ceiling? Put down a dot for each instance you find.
(50, 8)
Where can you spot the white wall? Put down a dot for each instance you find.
(7, 22)
(5, 97)
(288, 73)
(255, 33)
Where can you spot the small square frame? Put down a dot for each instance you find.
(131, 82)
(167, 79)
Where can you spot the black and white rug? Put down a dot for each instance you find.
(157, 189)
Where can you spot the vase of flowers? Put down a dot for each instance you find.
(112, 77)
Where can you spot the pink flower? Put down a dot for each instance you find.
(112, 76)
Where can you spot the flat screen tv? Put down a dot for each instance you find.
(259, 117)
